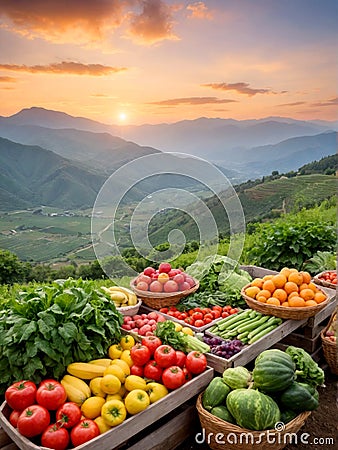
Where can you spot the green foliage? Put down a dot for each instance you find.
(280, 244)
(44, 328)
(12, 270)
(321, 261)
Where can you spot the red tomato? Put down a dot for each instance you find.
(197, 316)
(217, 308)
(164, 310)
(33, 420)
(216, 313)
(55, 437)
(51, 394)
(199, 323)
(68, 414)
(206, 310)
(140, 354)
(184, 315)
(173, 377)
(209, 316)
(84, 431)
(207, 320)
(13, 417)
(153, 371)
(152, 342)
(191, 312)
(137, 370)
(165, 356)
(21, 394)
(180, 358)
(187, 374)
(196, 362)
(233, 311)
(225, 314)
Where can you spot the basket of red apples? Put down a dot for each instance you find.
(329, 343)
(162, 287)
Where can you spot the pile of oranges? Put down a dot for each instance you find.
(288, 288)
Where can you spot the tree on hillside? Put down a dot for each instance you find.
(12, 270)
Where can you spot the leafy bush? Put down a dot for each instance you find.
(282, 244)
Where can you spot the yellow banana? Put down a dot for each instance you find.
(73, 394)
(85, 371)
(78, 384)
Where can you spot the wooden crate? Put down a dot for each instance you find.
(113, 438)
(249, 352)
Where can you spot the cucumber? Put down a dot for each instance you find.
(262, 333)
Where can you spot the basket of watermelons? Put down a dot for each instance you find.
(265, 406)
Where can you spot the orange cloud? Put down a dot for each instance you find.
(154, 24)
(192, 101)
(7, 80)
(331, 102)
(70, 67)
(292, 104)
(87, 21)
(240, 87)
(199, 10)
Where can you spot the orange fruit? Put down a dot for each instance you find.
(303, 286)
(265, 293)
(293, 294)
(285, 271)
(307, 294)
(306, 277)
(273, 301)
(268, 285)
(290, 286)
(261, 298)
(285, 304)
(257, 282)
(280, 294)
(296, 302)
(319, 297)
(279, 280)
(296, 277)
(313, 287)
(268, 277)
(252, 291)
(310, 303)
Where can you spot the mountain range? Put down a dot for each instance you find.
(50, 157)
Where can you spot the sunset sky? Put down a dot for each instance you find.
(153, 61)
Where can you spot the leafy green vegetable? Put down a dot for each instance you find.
(221, 280)
(47, 327)
(320, 262)
(178, 340)
(307, 370)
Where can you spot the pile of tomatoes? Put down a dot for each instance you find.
(42, 411)
(163, 364)
(198, 317)
(330, 276)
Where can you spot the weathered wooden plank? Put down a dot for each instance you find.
(4, 438)
(133, 425)
(170, 435)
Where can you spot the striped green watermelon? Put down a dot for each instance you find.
(252, 409)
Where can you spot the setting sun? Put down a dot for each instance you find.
(122, 116)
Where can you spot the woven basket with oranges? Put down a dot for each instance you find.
(287, 294)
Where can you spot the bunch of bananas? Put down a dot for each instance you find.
(121, 296)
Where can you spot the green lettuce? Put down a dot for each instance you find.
(307, 370)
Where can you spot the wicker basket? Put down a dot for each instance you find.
(130, 310)
(282, 311)
(330, 348)
(324, 283)
(225, 435)
(157, 300)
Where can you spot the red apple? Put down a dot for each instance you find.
(164, 267)
(190, 280)
(149, 271)
(184, 286)
(170, 286)
(145, 278)
(142, 286)
(179, 278)
(155, 286)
